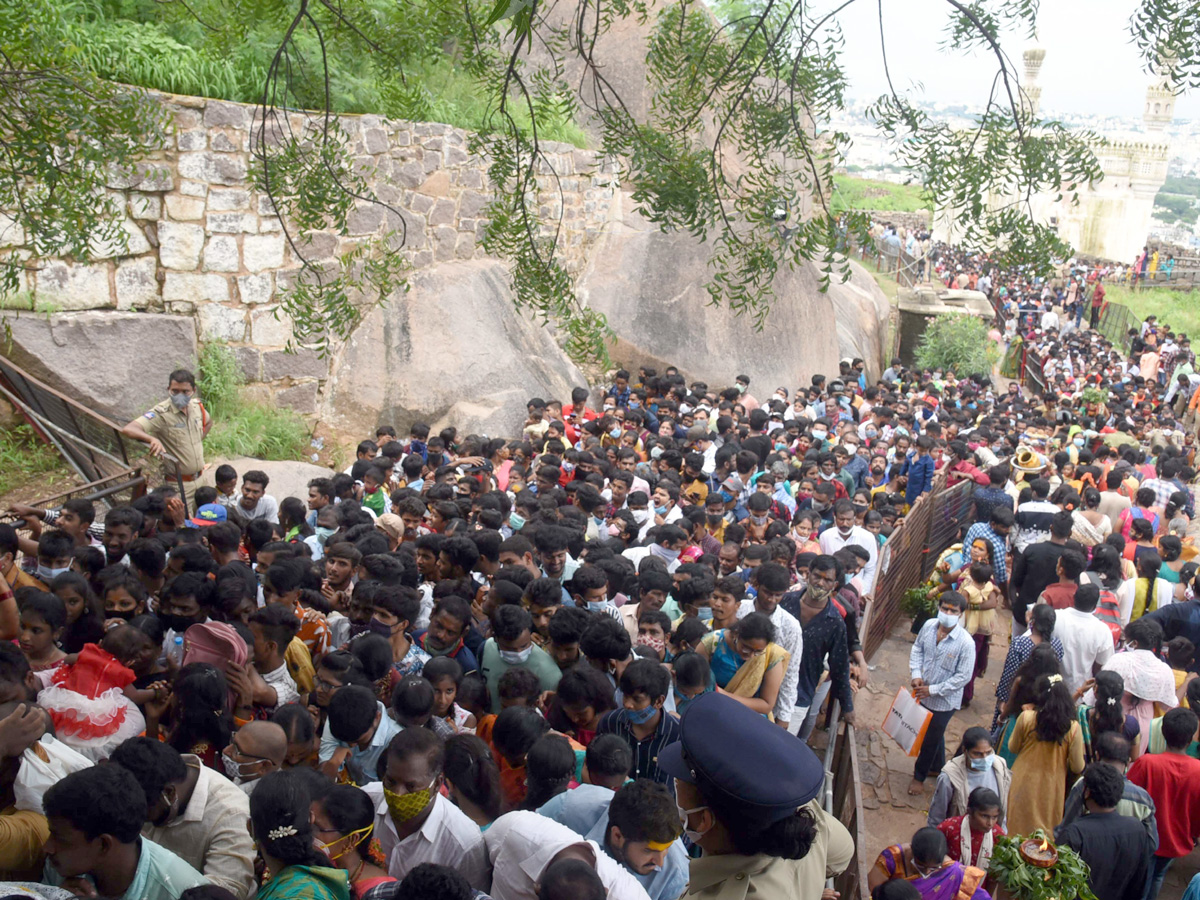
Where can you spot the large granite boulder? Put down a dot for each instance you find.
(116, 363)
(452, 351)
(650, 285)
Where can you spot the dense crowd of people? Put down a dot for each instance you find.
(582, 661)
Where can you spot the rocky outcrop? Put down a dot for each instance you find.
(116, 363)
(452, 351)
(650, 285)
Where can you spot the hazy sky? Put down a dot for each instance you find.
(1090, 66)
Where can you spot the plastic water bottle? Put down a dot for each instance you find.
(176, 652)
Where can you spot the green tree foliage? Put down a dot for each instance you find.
(731, 149)
(958, 344)
(66, 136)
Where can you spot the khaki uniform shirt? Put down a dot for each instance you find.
(180, 432)
(734, 877)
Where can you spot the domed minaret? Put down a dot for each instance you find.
(1160, 97)
(1031, 91)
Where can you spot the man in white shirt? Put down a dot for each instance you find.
(414, 823)
(671, 540)
(254, 502)
(771, 583)
(522, 845)
(196, 813)
(1087, 642)
(844, 532)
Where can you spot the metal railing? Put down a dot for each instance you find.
(117, 489)
(91, 443)
(842, 799)
(909, 555)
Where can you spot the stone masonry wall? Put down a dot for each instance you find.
(205, 244)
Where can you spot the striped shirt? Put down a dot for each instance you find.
(645, 752)
(945, 665)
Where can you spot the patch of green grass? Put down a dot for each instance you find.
(863, 193)
(24, 456)
(1179, 309)
(241, 427)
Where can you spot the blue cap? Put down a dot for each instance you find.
(753, 760)
(208, 514)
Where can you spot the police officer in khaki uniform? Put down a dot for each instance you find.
(747, 795)
(176, 426)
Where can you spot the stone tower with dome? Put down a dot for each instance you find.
(1111, 218)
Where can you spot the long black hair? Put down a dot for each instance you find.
(201, 708)
(1056, 708)
(1108, 714)
(549, 766)
(472, 769)
(89, 627)
(280, 810)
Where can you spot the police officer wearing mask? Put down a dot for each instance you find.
(746, 792)
(176, 426)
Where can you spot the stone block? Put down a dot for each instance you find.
(471, 204)
(318, 245)
(221, 254)
(410, 174)
(268, 331)
(437, 185)
(194, 287)
(255, 290)
(220, 323)
(304, 363)
(222, 143)
(233, 115)
(145, 206)
(137, 283)
(365, 219)
(185, 119)
(215, 168)
(262, 251)
(232, 223)
(301, 398)
(11, 234)
(465, 248)
(270, 226)
(228, 199)
(265, 206)
(470, 178)
(376, 140)
(251, 362)
(133, 244)
(72, 286)
(421, 204)
(179, 245)
(193, 188)
(149, 176)
(445, 239)
(191, 140)
(443, 213)
(431, 161)
(455, 156)
(183, 208)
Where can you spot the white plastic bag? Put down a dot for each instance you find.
(42, 765)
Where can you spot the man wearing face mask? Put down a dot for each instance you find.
(637, 826)
(176, 426)
(668, 542)
(194, 812)
(844, 533)
(941, 663)
(414, 822)
(256, 749)
(511, 645)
